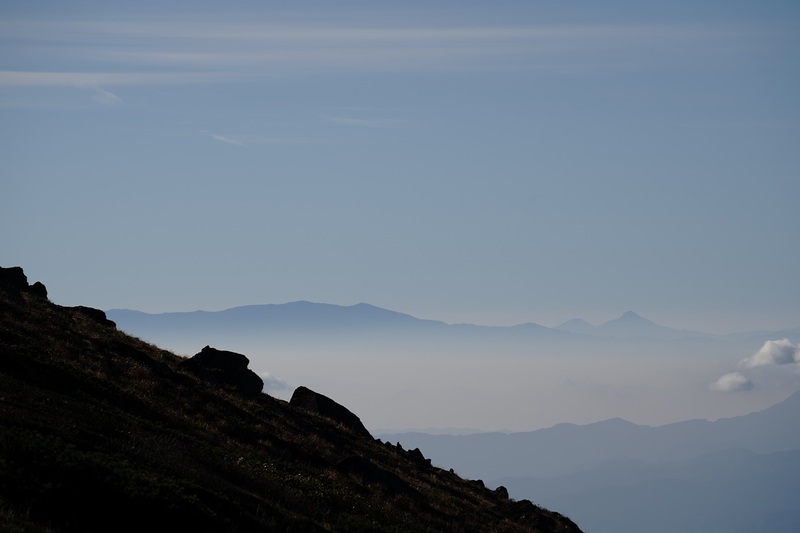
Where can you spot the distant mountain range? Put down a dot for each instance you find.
(308, 321)
(629, 325)
(293, 316)
(738, 474)
(568, 448)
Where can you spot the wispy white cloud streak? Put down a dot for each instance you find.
(333, 32)
(364, 122)
(102, 53)
(94, 80)
(107, 98)
(252, 140)
(227, 140)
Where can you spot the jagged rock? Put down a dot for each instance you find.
(38, 289)
(226, 368)
(417, 456)
(95, 314)
(322, 405)
(14, 280)
(501, 492)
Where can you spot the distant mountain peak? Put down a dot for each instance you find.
(631, 324)
(630, 316)
(624, 324)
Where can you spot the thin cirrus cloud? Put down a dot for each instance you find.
(342, 33)
(94, 80)
(252, 140)
(103, 52)
(16, 86)
(364, 122)
(228, 139)
(107, 98)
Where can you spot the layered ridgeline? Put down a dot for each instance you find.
(305, 322)
(738, 475)
(101, 431)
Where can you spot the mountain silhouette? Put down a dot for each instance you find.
(290, 316)
(737, 474)
(577, 325)
(101, 431)
(302, 323)
(629, 325)
(309, 320)
(566, 448)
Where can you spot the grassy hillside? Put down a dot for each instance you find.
(100, 431)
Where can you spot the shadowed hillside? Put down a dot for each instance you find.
(100, 431)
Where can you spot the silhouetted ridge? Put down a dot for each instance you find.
(100, 431)
(96, 315)
(14, 281)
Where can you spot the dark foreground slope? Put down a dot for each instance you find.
(100, 431)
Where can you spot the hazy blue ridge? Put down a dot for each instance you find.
(736, 475)
(304, 320)
(568, 448)
(304, 317)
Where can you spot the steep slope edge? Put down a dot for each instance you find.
(100, 430)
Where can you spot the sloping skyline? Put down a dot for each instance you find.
(491, 164)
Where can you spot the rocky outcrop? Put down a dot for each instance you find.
(226, 369)
(324, 406)
(417, 456)
(95, 314)
(13, 280)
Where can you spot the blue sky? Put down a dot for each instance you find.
(494, 163)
